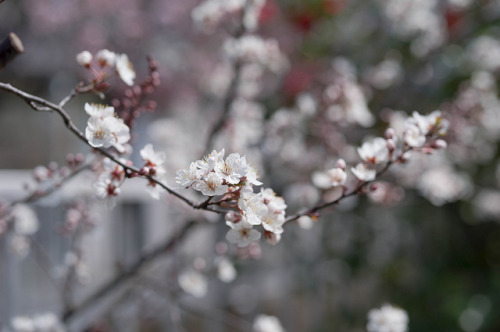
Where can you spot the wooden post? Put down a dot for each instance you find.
(10, 48)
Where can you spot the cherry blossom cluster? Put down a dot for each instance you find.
(387, 319)
(209, 14)
(105, 129)
(155, 167)
(112, 175)
(53, 175)
(110, 179)
(234, 177)
(101, 64)
(44, 322)
(421, 132)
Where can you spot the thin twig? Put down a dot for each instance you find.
(129, 273)
(236, 67)
(38, 194)
(357, 189)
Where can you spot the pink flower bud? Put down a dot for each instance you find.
(79, 158)
(427, 150)
(340, 164)
(389, 133)
(233, 217)
(391, 145)
(143, 171)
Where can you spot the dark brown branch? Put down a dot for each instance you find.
(129, 273)
(233, 85)
(10, 48)
(359, 187)
(226, 105)
(40, 194)
(40, 104)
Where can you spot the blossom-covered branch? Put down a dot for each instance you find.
(40, 104)
(422, 133)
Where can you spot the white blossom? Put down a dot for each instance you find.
(106, 188)
(211, 185)
(153, 158)
(26, 221)
(267, 323)
(387, 319)
(242, 233)
(253, 207)
(20, 245)
(251, 48)
(84, 58)
(364, 173)
(225, 269)
(442, 185)
(232, 169)
(194, 283)
(208, 14)
(187, 176)
(337, 176)
(374, 151)
(275, 203)
(321, 180)
(125, 69)
(413, 136)
(429, 123)
(107, 132)
(23, 324)
(207, 164)
(106, 58)
(47, 322)
(99, 110)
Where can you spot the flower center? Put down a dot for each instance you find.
(99, 134)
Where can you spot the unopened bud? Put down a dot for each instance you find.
(143, 171)
(233, 217)
(84, 58)
(439, 144)
(391, 145)
(53, 166)
(79, 158)
(373, 187)
(389, 133)
(427, 150)
(70, 159)
(340, 164)
(405, 157)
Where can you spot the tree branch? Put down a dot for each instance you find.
(129, 273)
(233, 85)
(40, 104)
(358, 188)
